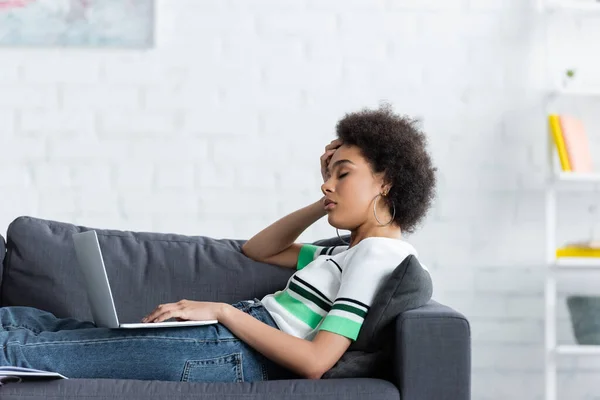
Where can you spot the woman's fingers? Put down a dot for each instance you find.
(327, 155)
(160, 312)
(334, 144)
(164, 316)
(331, 148)
(325, 161)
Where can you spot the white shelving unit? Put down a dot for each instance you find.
(558, 180)
(569, 177)
(572, 6)
(578, 350)
(577, 92)
(574, 264)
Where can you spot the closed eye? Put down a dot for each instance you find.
(343, 175)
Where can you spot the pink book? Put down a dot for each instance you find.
(576, 142)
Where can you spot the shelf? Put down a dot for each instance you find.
(574, 178)
(574, 5)
(574, 263)
(578, 350)
(582, 92)
(578, 177)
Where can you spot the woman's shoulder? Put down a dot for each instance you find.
(380, 248)
(329, 250)
(384, 245)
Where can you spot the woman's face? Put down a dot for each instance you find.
(353, 187)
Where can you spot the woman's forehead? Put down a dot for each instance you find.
(351, 153)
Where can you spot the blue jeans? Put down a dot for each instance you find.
(79, 349)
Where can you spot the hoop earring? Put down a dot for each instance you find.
(375, 212)
(338, 234)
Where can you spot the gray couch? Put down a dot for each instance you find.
(431, 345)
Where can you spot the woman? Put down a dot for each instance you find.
(378, 183)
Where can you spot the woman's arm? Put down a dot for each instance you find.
(280, 235)
(305, 358)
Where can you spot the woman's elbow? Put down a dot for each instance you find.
(326, 352)
(314, 374)
(244, 251)
(315, 370)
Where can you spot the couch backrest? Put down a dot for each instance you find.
(144, 269)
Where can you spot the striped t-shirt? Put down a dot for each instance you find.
(334, 287)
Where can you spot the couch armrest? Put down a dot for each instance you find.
(433, 354)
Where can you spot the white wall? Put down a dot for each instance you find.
(217, 131)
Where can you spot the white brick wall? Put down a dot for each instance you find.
(218, 129)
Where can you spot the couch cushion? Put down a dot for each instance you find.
(105, 389)
(145, 269)
(408, 287)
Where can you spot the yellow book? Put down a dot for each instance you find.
(559, 141)
(573, 251)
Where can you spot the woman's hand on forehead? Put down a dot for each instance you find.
(326, 156)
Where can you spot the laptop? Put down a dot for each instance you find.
(89, 256)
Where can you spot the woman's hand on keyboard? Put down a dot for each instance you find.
(186, 310)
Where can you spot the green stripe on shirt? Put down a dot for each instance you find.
(341, 326)
(299, 309)
(306, 255)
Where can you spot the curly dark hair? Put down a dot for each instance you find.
(393, 144)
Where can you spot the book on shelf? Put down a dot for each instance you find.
(19, 374)
(559, 141)
(576, 143)
(586, 244)
(588, 248)
(570, 138)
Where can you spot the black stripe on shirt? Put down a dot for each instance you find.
(336, 264)
(353, 301)
(312, 287)
(294, 287)
(351, 309)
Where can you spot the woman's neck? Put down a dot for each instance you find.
(390, 232)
